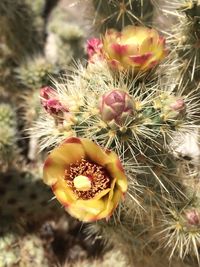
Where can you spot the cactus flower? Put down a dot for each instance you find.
(178, 105)
(117, 106)
(87, 180)
(193, 217)
(50, 101)
(171, 107)
(94, 48)
(138, 48)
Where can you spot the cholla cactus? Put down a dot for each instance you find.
(184, 33)
(109, 125)
(180, 232)
(135, 113)
(8, 135)
(22, 251)
(18, 190)
(65, 41)
(17, 25)
(35, 72)
(119, 13)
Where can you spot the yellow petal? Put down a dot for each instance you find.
(69, 152)
(60, 158)
(86, 210)
(111, 205)
(115, 169)
(94, 152)
(102, 193)
(63, 193)
(53, 170)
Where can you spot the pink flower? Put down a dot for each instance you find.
(94, 48)
(193, 217)
(178, 105)
(50, 101)
(135, 47)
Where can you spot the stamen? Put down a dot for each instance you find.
(96, 174)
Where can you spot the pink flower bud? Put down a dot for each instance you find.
(178, 105)
(193, 217)
(50, 101)
(116, 105)
(94, 47)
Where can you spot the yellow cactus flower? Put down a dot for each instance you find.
(138, 48)
(87, 180)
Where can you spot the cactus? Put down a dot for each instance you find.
(21, 251)
(117, 128)
(6, 66)
(185, 35)
(31, 107)
(65, 37)
(37, 6)
(23, 197)
(35, 72)
(17, 24)
(134, 109)
(113, 257)
(141, 134)
(9, 151)
(119, 13)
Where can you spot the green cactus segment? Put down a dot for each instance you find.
(115, 114)
(37, 6)
(185, 35)
(192, 10)
(173, 226)
(18, 27)
(6, 65)
(179, 232)
(36, 72)
(22, 251)
(119, 13)
(25, 197)
(31, 107)
(66, 38)
(191, 44)
(7, 115)
(7, 143)
(8, 133)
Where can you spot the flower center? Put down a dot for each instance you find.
(82, 183)
(86, 179)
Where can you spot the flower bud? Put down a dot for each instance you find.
(178, 105)
(171, 107)
(94, 48)
(116, 106)
(50, 101)
(193, 217)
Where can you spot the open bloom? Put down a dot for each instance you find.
(138, 48)
(88, 181)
